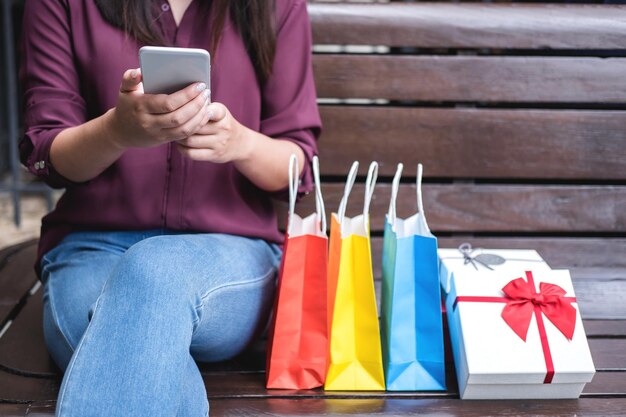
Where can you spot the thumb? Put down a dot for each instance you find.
(217, 111)
(131, 80)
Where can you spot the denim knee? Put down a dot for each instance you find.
(150, 273)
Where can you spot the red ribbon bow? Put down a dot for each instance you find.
(551, 299)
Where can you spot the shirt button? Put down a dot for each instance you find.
(42, 164)
(37, 165)
(165, 7)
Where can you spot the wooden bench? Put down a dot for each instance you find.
(518, 113)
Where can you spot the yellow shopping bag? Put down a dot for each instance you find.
(355, 349)
(334, 249)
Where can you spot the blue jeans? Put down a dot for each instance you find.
(127, 314)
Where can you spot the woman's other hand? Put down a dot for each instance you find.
(263, 160)
(147, 120)
(222, 139)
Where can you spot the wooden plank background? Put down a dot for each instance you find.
(492, 207)
(519, 118)
(476, 143)
(470, 78)
(470, 25)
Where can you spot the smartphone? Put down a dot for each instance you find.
(166, 70)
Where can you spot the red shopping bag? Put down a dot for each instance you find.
(297, 354)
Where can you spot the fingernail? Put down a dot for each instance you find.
(133, 74)
(206, 93)
(210, 114)
(200, 86)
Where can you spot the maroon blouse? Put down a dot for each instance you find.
(71, 70)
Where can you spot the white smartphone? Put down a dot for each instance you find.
(166, 70)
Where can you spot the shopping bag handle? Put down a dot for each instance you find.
(370, 184)
(294, 170)
(395, 185)
(346, 192)
(319, 200)
(420, 204)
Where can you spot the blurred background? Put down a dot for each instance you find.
(23, 200)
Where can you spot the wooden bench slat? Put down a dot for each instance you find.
(17, 410)
(391, 407)
(605, 328)
(608, 354)
(471, 79)
(251, 385)
(19, 388)
(23, 346)
(603, 383)
(247, 385)
(17, 276)
(601, 299)
(402, 407)
(476, 143)
(492, 208)
(470, 25)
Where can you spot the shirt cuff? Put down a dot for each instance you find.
(37, 158)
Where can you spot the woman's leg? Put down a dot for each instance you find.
(166, 296)
(73, 275)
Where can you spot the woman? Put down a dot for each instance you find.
(163, 249)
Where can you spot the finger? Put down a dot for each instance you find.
(198, 154)
(167, 103)
(209, 128)
(179, 117)
(201, 141)
(217, 111)
(190, 126)
(130, 80)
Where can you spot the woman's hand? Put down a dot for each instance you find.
(263, 160)
(147, 120)
(222, 139)
(83, 152)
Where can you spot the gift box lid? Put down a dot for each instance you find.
(487, 262)
(494, 353)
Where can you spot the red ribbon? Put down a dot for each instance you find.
(522, 300)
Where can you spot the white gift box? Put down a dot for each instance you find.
(493, 362)
(452, 261)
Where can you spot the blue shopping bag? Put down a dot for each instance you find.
(411, 321)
